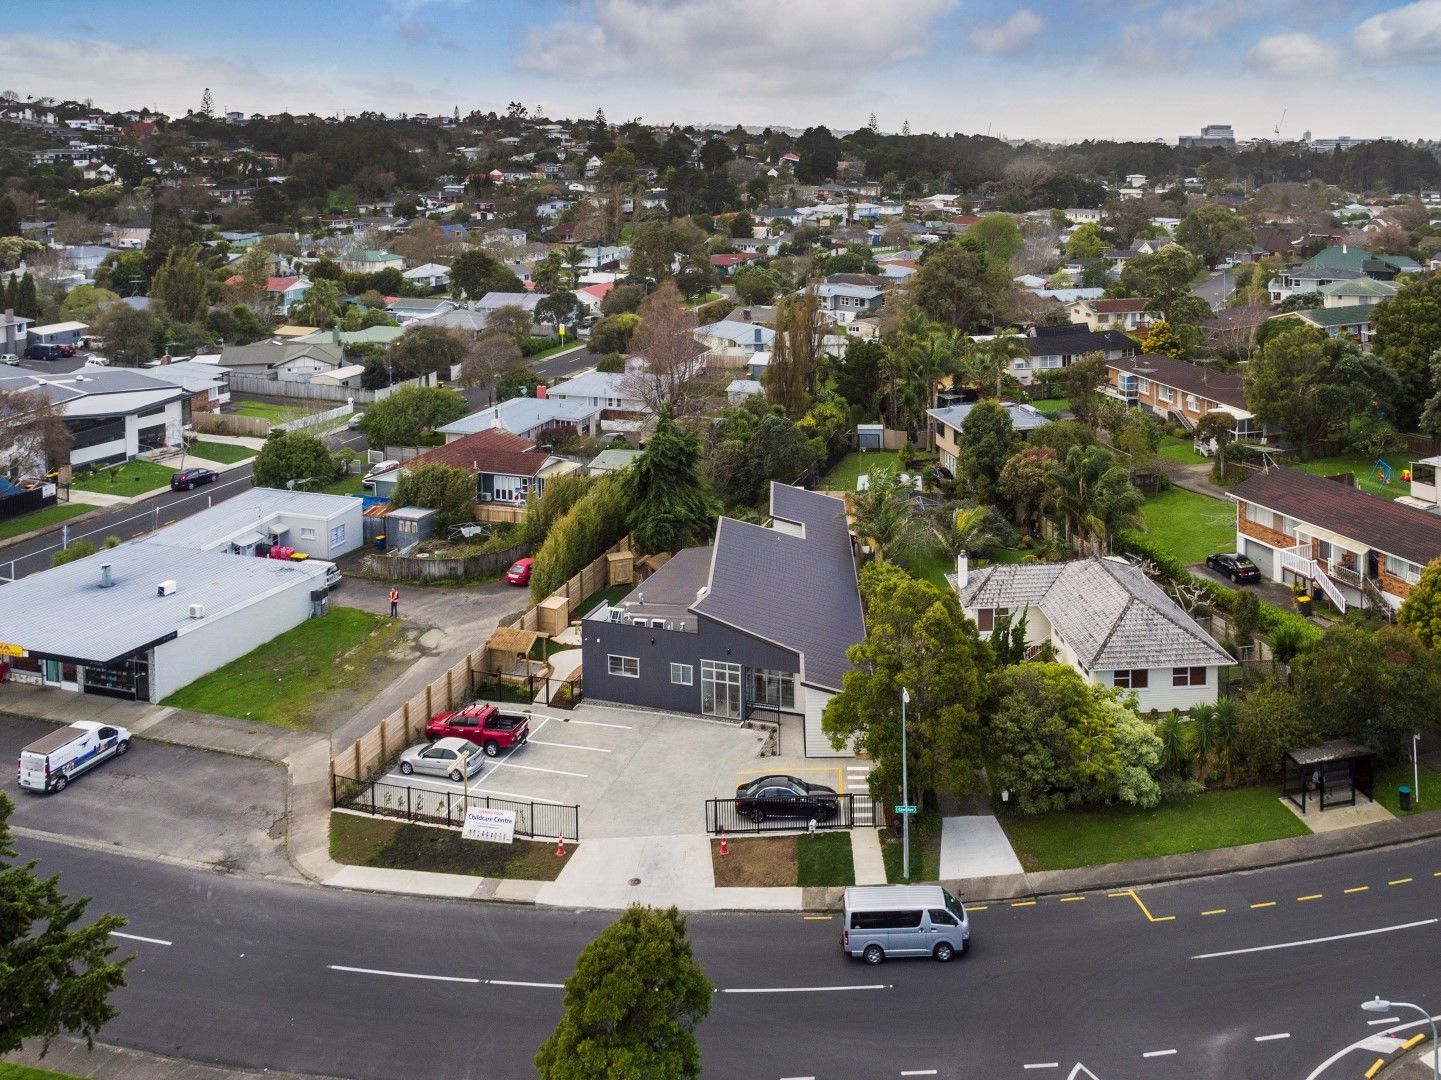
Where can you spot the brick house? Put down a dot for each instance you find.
(1175, 389)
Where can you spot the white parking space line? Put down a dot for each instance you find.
(568, 746)
(1158, 1053)
(537, 768)
(1386, 1020)
(801, 989)
(1042, 1065)
(533, 985)
(1272, 1038)
(918, 1072)
(404, 974)
(596, 723)
(137, 937)
(515, 795)
(798, 1078)
(1317, 941)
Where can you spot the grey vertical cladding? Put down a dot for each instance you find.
(657, 649)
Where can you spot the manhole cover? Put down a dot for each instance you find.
(635, 881)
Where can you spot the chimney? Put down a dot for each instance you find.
(1344, 248)
(106, 580)
(963, 570)
(746, 314)
(541, 390)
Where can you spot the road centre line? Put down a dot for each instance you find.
(535, 985)
(802, 989)
(1273, 1038)
(1312, 896)
(1356, 888)
(1383, 1020)
(405, 975)
(1215, 911)
(137, 937)
(1401, 881)
(1263, 903)
(918, 1072)
(568, 746)
(1042, 1065)
(798, 1078)
(1158, 1053)
(1317, 941)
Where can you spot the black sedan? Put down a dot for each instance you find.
(186, 479)
(782, 796)
(1237, 567)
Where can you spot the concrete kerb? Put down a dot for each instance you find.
(35, 534)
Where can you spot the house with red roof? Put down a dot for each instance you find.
(727, 265)
(591, 296)
(283, 291)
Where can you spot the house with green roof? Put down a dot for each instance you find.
(1351, 257)
(1356, 292)
(1353, 320)
(371, 260)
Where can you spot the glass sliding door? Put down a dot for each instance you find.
(773, 689)
(720, 689)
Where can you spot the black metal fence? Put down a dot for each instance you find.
(385, 798)
(527, 689)
(851, 812)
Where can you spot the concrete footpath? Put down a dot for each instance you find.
(678, 869)
(70, 1057)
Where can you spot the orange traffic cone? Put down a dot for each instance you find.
(725, 847)
(560, 847)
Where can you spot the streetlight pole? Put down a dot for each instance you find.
(1416, 772)
(1378, 1005)
(905, 792)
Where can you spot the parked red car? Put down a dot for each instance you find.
(482, 724)
(519, 573)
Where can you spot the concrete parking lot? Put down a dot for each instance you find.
(637, 773)
(162, 800)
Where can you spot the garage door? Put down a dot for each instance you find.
(1264, 558)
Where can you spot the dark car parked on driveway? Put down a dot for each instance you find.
(783, 796)
(1234, 566)
(186, 479)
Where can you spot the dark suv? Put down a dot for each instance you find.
(186, 479)
(43, 352)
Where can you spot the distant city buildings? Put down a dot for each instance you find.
(1211, 135)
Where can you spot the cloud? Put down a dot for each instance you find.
(733, 45)
(1293, 54)
(1009, 37)
(1410, 34)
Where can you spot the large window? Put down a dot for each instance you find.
(337, 535)
(1133, 679)
(682, 675)
(987, 619)
(774, 689)
(1406, 571)
(1188, 676)
(625, 666)
(720, 689)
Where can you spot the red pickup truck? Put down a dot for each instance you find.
(482, 724)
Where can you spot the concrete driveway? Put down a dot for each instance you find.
(162, 800)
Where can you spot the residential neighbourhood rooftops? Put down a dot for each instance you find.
(1110, 614)
(1198, 379)
(1403, 531)
(1359, 287)
(798, 591)
(248, 510)
(1069, 340)
(1023, 417)
(520, 414)
(1327, 317)
(491, 451)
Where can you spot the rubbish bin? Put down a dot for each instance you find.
(1303, 603)
(1403, 793)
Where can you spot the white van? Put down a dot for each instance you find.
(903, 920)
(51, 762)
(332, 574)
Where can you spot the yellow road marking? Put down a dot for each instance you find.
(1436, 873)
(1023, 903)
(813, 918)
(1358, 888)
(1401, 881)
(1413, 1040)
(1313, 896)
(1374, 1069)
(1264, 903)
(1124, 892)
(976, 907)
(1069, 899)
(1145, 910)
(1215, 911)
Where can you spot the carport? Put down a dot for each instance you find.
(1332, 773)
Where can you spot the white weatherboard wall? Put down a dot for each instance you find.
(1162, 696)
(817, 745)
(212, 642)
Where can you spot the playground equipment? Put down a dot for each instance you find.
(1383, 472)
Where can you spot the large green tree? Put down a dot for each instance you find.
(179, 286)
(1087, 242)
(999, 235)
(84, 302)
(1213, 232)
(292, 455)
(960, 286)
(1408, 334)
(410, 413)
(632, 1005)
(129, 334)
(917, 640)
(443, 488)
(671, 505)
(986, 442)
(1421, 611)
(753, 444)
(1094, 497)
(426, 350)
(583, 533)
(56, 974)
(1161, 276)
(474, 273)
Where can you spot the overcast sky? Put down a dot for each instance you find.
(1057, 69)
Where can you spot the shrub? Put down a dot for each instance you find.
(715, 311)
(78, 550)
(584, 533)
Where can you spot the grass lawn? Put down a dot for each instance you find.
(226, 453)
(1069, 838)
(39, 519)
(132, 478)
(399, 845)
(1364, 469)
(925, 857)
(268, 410)
(10, 1071)
(285, 682)
(349, 484)
(1001, 557)
(1052, 406)
(824, 859)
(1390, 778)
(1190, 526)
(932, 565)
(849, 469)
(613, 595)
(569, 343)
(1182, 451)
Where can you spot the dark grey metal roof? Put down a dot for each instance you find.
(798, 591)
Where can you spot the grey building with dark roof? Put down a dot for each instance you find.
(1055, 347)
(758, 622)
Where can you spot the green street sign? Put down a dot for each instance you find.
(905, 809)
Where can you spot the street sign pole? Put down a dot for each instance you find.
(905, 792)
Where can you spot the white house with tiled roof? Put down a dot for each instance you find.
(1104, 618)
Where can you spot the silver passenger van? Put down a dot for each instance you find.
(903, 920)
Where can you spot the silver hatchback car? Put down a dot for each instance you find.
(457, 759)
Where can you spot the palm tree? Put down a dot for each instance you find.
(969, 528)
(884, 516)
(1094, 496)
(1225, 736)
(1173, 742)
(1203, 736)
(926, 353)
(984, 361)
(574, 256)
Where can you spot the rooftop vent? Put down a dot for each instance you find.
(106, 580)
(165, 588)
(197, 611)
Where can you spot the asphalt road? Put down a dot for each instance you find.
(1251, 975)
(1215, 288)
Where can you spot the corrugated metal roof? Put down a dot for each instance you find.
(249, 510)
(65, 612)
